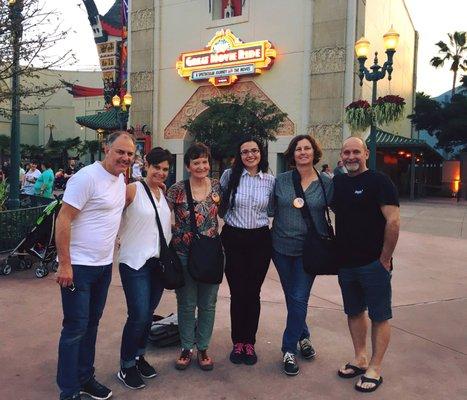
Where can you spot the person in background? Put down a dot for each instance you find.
(45, 182)
(325, 170)
(340, 168)
(137, 169)
(247, 189)
(60, 180)
(195, 295)
(30, 178)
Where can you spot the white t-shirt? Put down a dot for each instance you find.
(100, 197)
(139, 236)
(29, 179)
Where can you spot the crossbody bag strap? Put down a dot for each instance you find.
(306, 214)
(191, 207)
(326, 209)
(158, 221)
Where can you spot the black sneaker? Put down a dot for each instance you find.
(145, 369)
(290, 364)
(250, 357)
(236, 355)
(95, 390)
(131, 378)
(306, 349)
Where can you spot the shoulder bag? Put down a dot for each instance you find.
(319, 251)
(206, 257)
(168, 264)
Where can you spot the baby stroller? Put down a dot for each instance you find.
(38, 243)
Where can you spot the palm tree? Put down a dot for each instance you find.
(455, 52)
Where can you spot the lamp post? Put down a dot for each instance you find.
(362, 49)
(100, 139)
(122, 109)
(16, 18)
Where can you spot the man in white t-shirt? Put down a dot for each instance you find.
(86, 231)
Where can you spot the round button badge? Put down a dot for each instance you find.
(298, 202)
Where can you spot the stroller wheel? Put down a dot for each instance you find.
(6, 269)
(41, 271)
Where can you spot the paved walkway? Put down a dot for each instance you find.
(427, 358)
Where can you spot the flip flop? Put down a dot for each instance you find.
(365, 379)
(356, 371)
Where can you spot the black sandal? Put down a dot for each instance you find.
(365, 379)
(356, 371)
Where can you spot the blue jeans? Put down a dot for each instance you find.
(143, 291)
(82, 310)
(296, 284)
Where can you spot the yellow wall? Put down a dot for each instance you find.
(379, 16)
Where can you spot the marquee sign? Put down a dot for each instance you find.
(225, 58)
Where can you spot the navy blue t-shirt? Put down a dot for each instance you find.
(360, 223)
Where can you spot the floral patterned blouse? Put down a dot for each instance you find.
(206, 215)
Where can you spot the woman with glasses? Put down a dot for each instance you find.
(288, 234)
(247, 189)
(139, 245)
(195, 295)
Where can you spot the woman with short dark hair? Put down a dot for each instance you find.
(195, 295)
(139, 245)
(45, 182)
(288, 234)
(247, 189)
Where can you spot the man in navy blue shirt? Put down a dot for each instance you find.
(367, 228)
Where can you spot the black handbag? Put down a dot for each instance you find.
(206, 257)
(168, 265)
(319, 251)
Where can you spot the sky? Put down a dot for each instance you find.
(433, 19)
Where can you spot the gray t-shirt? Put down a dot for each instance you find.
(289, 228)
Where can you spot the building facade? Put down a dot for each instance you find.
(312, 75)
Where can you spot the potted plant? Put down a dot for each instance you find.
(388, 109)
(358, 115)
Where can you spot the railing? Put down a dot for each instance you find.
(16, 224)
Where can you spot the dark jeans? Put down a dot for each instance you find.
(247, 258)
(143, 291)
(296, 284)
(82, 310)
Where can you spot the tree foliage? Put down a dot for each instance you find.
(38, 31)
(228, 119)
(90, 147)
(456, 53)
(447, 121)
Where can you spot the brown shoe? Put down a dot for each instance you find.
(204, 361)
(184, 360)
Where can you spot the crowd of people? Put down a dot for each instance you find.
(38, 179)
(99, 210)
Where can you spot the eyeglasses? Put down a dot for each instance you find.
(252, 151)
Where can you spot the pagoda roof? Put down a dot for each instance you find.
(107, 120)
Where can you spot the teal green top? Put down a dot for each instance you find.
(45, 181)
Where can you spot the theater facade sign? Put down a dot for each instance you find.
(225, 58)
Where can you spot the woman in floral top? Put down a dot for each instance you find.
(206, 198)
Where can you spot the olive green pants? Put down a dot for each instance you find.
(192, 297)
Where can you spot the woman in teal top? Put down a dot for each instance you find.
(45, 183)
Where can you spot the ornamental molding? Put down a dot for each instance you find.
(141, 81)
(142, 19)
(329, 136)
(328, 60)
(195, 106)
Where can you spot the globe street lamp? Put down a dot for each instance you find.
(16, 18)
(362, 49)
(122, 109)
